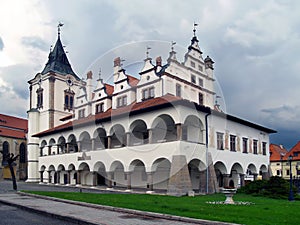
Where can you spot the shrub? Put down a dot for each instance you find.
(276, 187)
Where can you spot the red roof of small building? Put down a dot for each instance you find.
(277, 152)
(294, 152)
(132, 81)
(14, 127)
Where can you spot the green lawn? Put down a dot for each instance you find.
(263, 211)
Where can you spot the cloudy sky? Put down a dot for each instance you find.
(255, 45)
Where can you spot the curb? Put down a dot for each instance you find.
(122, 210)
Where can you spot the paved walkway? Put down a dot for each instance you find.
(83, 213)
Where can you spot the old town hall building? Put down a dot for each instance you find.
(156, 130)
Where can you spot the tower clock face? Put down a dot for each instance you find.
(69, 82)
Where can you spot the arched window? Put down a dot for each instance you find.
(5, 147)
(22, 153)
(69, 99)
(39, 93)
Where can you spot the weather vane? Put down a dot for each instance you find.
(147, 52)
(194, 30)
(60, 24)
(173, 43)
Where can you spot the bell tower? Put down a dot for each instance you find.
(52, 94)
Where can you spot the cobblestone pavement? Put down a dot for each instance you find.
(84, 213)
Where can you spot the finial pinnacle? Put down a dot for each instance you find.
(194, 30)
(147, 52)
(99, 74)
(60, 24)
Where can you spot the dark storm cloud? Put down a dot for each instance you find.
(35, 42)
(1, 44)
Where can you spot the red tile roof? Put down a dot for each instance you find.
(132, 108)
(277, 152)
(132, 81)
(295, 152)
(109, 89)
(13, 127)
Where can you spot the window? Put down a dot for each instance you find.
(220, 141)
(278, 172)
(69, 99)
(39, 93)
(200, 96)
(178, 90)
(200, 82)
(232, 143)
(100, 108)
(287, 172)
(122, 101)
(193, 64)
(193, 79)
(264, 148)
(255, 147)
(245, 145)
(81, 113)
(5, 147)
(200, 68)
(148, 93)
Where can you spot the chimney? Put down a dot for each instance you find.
(89, 86)
(158, 61)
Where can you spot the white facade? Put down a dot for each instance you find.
(130, 134)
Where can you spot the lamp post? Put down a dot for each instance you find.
(291, 194)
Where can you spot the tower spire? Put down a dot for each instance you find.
(194, 30)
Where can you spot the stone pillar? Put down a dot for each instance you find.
(179, 182)
(108, 142)
(226, 180)
(93, 144)
(128, 175)
(49, 150)
(128, 139)
(242, 179)
(58, 177)
(68, 148)
(49, 177)
(150, 181)
(69, 177)
(79, 146)
(179, 131)
(150, 136)
(255, 176)
(109, 179)
(57, 148)
(41, 151)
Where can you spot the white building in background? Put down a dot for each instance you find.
(158, 131)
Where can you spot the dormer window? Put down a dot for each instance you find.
(148, 93)
(122, 101)
(100, 108)
(81, 113)
(69, 100)
(39, 93)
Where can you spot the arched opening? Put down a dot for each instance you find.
(192, 130)
(52, 147)
(251, 173)
(61, 145)
(221, 173)
(100, 139)
(52, 176)
(42, 170)
(235, 172)
(118, 176)
(72, 144)
(161, 173)
(86, 177)
(138, 174)
(197, 171)
(163, 129)
(138, 133)
(101, 174)
(72, 173)
(263, 171)
(118, 136)
(85, 142)
(62, 176)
